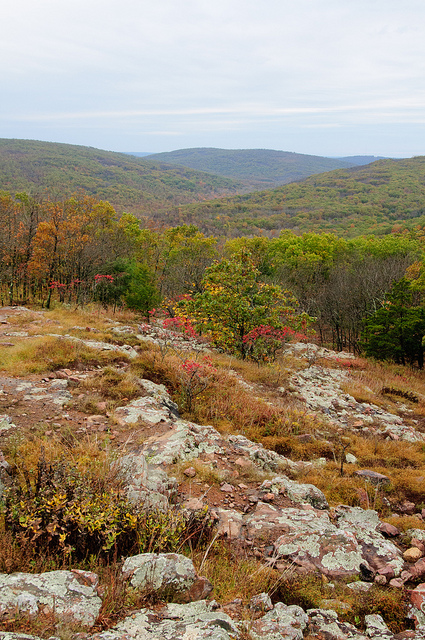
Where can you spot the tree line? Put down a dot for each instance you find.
(79, 250)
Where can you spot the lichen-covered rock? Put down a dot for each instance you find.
(261, 603)
(169, 574)
(146, 484)
(282, 622)
(71, 595)
(193, 621)
(230, 523)
(311, 540)
(377, 551)
(324, 623)
(266, 459)
(301, 493)
(376, 627)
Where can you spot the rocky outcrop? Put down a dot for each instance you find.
(320, 388)
(70, 595)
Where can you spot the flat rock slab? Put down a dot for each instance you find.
(71, 595)
(311, 540)
(193, 621)
(320, 388)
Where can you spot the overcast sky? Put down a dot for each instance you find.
(325, 77)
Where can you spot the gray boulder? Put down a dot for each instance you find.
(282, 622)
(71, 595)
(170, 574)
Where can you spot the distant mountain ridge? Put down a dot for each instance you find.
(360, 160)
(128, 183)
(260, 168)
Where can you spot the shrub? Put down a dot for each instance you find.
(71, 514)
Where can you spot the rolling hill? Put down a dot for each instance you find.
(259, 168)
(366, 199)
(129, 183)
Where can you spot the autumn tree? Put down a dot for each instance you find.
(234, 300)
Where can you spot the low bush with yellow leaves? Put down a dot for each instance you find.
(65, 513)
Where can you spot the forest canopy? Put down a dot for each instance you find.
(79, 250)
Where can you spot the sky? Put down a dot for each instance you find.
(321, 77)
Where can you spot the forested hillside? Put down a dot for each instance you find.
(128, 183)
(349, 202)
(260, 168)
(79, 250)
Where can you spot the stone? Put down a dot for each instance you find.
(412, 555)
(417, 596)
(376, 627)
(324, 623)
(373, 477)
(359, 586)
(407, 508)
(230, 523)
(397, 583)
(171, 574)
(190, 472)
(387, 572)
(227, 488)
(146, 485)
(261, 603)
(389, 530)
(417, 570)
(244, 463)
(193, 621)
(381, 580)
(282, 622)
(350, 459)
(71, 595)
(419, 544)
(300, 493)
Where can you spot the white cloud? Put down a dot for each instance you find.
(316, 63)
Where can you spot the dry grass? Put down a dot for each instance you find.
(234, 575)
(44, 354)
(404, 523)
(112, 384)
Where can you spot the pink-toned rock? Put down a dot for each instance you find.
(244, 463)
(226, 488)
(190, 472)
(389, 530)
(194, 504)
(417, 570)
(230, 523)
(417, 596)
(268, 497)
(396, 583)
(408, 508)
(412, 555)
(381, 580)
(373, 476)
(387, 571)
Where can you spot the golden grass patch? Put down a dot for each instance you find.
(47, 353)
